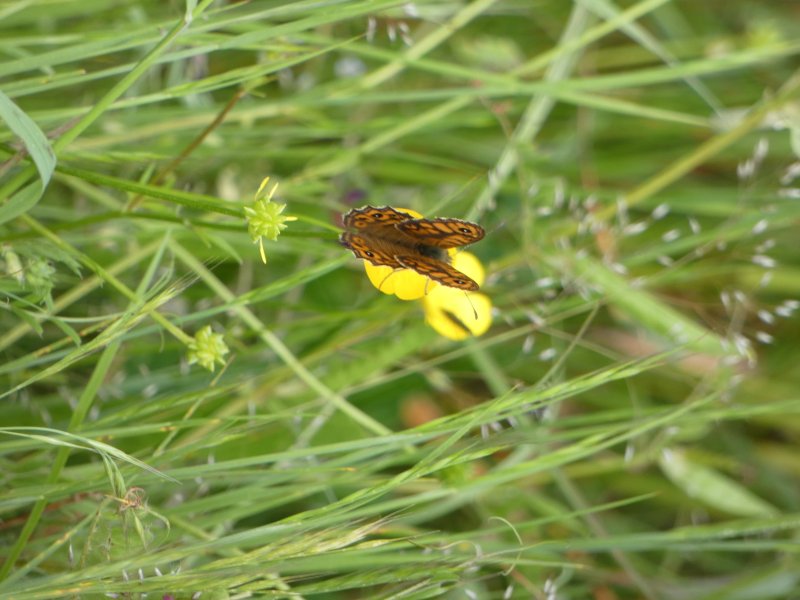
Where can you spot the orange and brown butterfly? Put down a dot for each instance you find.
(388, 237)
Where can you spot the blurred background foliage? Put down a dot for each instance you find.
(182, 420)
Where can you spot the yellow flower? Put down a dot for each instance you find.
(453, 313)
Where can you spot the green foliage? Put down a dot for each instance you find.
(628, 426)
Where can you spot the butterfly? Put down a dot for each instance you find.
(388, 237)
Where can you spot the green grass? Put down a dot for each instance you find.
(628, 426)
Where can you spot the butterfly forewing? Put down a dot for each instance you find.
(442, 233)
(371, 216)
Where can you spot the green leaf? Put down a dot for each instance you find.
(713, 488)
(21, 202)
(34, 138)
(67, 330)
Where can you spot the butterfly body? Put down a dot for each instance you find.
(388, 237)
(432, 252)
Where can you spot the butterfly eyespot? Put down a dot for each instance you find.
(464, 230)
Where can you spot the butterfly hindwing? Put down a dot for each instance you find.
(438, 271)
(442, 233)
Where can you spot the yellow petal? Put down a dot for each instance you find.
(468, 263)
(411, 212)
(404, 283)
(456, 314)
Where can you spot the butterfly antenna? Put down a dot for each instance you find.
(472, 306)
(384, 280)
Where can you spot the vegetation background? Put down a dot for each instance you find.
(628, 426)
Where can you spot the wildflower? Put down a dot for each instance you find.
(40, 279)
(13, 264)
(207, 348)
(264, 218)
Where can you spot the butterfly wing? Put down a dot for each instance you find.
(442, 233)
(371, 216)
(392, 238)
(438, 271)
(369, 249)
